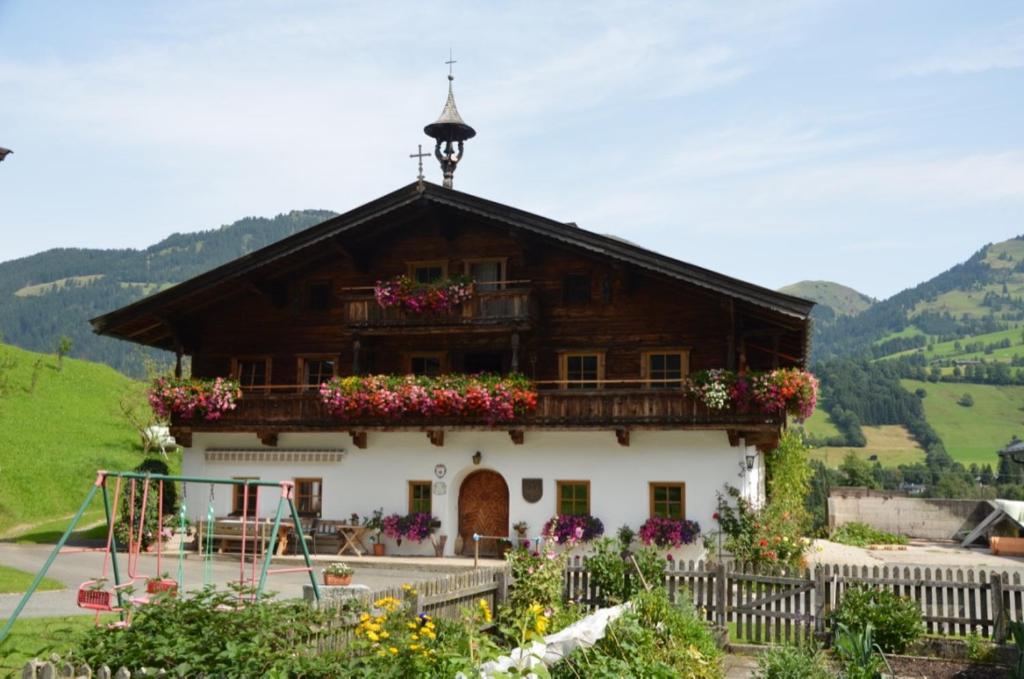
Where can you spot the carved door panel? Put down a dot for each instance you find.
(483, 509)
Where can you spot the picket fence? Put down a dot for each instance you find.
(765, 606)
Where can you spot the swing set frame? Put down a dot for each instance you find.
(285, 503)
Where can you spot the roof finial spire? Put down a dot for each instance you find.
(450, 129)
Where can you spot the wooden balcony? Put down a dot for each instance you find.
(269, 413)
(492, 309)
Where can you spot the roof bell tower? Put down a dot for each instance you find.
(449, 129)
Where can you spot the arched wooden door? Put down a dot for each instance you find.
(483, 509)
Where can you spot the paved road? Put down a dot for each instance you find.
(74, 568)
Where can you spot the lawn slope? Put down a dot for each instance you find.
(55, 437)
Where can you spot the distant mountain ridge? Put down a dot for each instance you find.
(55, 292)
(843, 300)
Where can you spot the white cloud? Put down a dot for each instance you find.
(998, 49)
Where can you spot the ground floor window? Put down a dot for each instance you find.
(308, 496)
(668, 500)
(420, 497)
(239, 500)
(573, 497)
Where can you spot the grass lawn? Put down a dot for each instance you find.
(891, 443)
(973, 434)
(819, 424)
(38, 637)
(55, 437)
(14, 581)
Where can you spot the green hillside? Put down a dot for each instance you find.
(55, 437)
(843, 300)
(973, 434)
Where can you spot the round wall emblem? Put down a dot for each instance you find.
(440, 470)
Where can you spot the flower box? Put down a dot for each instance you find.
(437, 297)
(208, 399)
(782, 391)
(668, 533)
(332, 580)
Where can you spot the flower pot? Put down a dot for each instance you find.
(162, 585)
(378, 549)
(335, 580)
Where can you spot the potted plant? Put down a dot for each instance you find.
(375, 524)
(520, 527)
(338, 575)
(160, 584)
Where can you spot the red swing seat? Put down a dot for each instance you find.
(99, 600)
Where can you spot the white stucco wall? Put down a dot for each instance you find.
(377, 476)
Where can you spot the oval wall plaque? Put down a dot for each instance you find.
(533, 489)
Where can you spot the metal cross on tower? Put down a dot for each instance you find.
(451, 62)
(420, 155)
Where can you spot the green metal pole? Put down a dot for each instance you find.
(113, 547)
(50, 559)
(193, 479)
(305, 550)
(270, 547)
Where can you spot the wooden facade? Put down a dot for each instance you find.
(563, 293)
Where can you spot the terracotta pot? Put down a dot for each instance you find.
(378, 549)
(162, 585)
(334, 580)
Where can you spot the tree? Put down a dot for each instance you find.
(966, 400)
(857, 471)
(64, 345)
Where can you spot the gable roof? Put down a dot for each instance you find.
(418, 192)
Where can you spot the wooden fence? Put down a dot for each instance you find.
(794, 607)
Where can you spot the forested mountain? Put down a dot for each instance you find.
(840, 299)
(984, 294)
(54, 293)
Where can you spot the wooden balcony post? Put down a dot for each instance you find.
(515, 352)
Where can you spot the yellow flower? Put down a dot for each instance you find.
(485, 609)
(393, 650)
(414, 637)
(413, 647)
(536, 609)
(384, 634)
(411, 625)
(541, 625)
(363, 617)
(372, 636)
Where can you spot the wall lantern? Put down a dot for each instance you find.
(477, 457)
(751, 459)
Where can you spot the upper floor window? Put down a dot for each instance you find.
(428, 272)
(318, 296)
(576, 288)
(420, 497)
(665, 368)
(582, 370)
(309, 496)
(252, 372)
(240, 500)
(317, 370)
(573, 497)
(668, 500)
(489, 274)
(430, 364)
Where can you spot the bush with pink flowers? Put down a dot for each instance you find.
(784, 391)
(491, 398)
(188, 398)
(573, 528)
(417, 526)
(437, 297)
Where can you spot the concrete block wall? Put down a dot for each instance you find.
(915, 517)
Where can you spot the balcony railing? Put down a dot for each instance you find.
(510, 306)
(291, 410)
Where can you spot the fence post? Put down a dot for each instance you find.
(820, 602)
(998, 609)
(501, 593)
(721, 596)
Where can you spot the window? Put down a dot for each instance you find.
(252, 372)
(668, 500)
(483, 363)
(573, 497)
(238, 497)
(488, 273)
(582, 370)
(665, 364)
(308, 496)
(420, 497)
(429, 364)
(318, 296)
(428, 272)
(316, 371)
(576, 288)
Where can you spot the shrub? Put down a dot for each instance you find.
(860, 534)
(855, 649)
(793, 662)
(759, 537)
(536, 579)
(896, 620)
(966, 401)
(656, 639)
(616, 578)
(152, 529)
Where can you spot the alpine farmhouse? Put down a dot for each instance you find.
(605, 332)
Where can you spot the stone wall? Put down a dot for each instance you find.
(893, 512)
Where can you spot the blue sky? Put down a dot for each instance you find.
(871, 143)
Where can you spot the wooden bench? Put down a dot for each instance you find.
(334, 536)
(226, 533)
